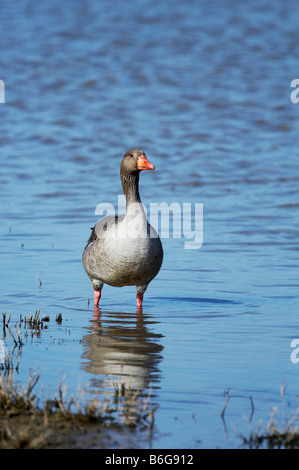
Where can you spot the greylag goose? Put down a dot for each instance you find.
(125, 250)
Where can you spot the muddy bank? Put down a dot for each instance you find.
(34, 430)
(25, 423)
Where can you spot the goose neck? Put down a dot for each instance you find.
(130, 184)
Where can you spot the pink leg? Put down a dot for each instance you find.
(97, 296)
(139, 299)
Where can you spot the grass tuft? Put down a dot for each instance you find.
(275, 434)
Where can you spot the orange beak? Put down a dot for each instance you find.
(144, 164)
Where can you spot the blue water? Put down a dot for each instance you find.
(204, 89)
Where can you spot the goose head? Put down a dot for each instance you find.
(134, 161)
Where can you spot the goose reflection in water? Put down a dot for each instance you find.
(123, 350)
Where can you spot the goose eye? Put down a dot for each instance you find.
(131, 155)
